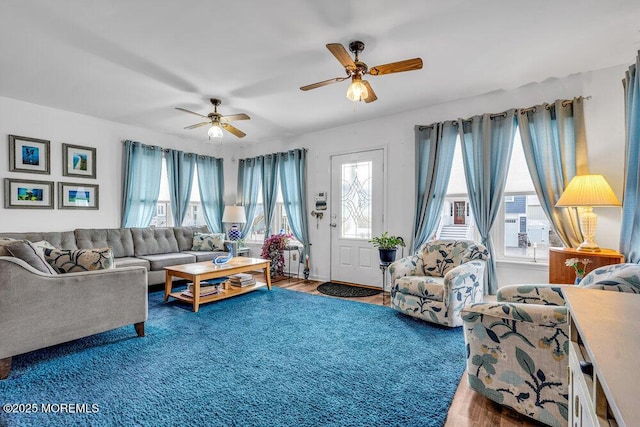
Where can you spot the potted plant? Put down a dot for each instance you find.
(387, 246)
(273, 249)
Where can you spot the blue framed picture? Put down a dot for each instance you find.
(78, 161)
(29, 155)
(73, 195)
(28, 194)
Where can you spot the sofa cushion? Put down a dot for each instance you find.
(152, 241)
(184, 236)
(59, 239)
(421, 286)
(70, 261)
(205, 255)
(160, 261)
(208, 242)
(29, 253)
(131, 262)
(118, 239)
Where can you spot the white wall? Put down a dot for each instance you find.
(605, 134)
(57, 126)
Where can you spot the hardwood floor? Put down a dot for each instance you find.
(468, 409)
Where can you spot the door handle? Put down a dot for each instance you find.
(333, 224)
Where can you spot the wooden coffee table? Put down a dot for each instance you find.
(196, 272)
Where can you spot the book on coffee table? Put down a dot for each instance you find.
(207, 287)
(204, 290)
(242, 279)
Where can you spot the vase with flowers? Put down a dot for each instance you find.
(273, 249)
(579, 265)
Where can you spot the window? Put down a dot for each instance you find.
(279, 222)
(195, 214)
(163, 216)
(521, 230)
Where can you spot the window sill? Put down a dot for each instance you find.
(523, 263)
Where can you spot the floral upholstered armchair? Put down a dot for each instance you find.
(437, 281)
(517, 348)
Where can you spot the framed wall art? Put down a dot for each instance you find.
(77, 196)
(29, 155)
(28, 194)
(78, 161)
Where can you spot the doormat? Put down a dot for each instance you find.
(349, 291)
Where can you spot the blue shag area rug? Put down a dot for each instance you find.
(267, 358)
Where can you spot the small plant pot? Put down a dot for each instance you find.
(387, 255)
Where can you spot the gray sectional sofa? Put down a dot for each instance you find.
(39, 309)
(151, 248)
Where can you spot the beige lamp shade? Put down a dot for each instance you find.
(234, 214)
(588, 190)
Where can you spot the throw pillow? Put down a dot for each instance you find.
(208, 242)
(70, 261)
(4, 241)
(43, 244)
(29, 253)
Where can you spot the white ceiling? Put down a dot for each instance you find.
(133, 61)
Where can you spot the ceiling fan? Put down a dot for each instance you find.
(218, 121)
(360, 90)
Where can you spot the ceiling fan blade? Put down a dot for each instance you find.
(234, 130)
(232, 117)
(372, 95)
(396, 67)
(198, 125)
(341, 55)
(192, 112)
(324, 83)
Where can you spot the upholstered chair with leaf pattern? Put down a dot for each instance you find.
(517, 347)
(436, 282)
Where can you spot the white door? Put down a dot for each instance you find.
(357, 204)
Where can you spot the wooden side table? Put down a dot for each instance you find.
(560, 273)
(243, 252)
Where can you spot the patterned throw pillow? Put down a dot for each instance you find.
(4, 241)
(43, 244)
(29, 253)
(70, 261)
(208, 242)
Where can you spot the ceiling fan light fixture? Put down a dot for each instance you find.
(215, 132)
(357, 91)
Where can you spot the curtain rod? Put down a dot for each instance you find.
(274, 154)
(565, 102)
(166, 150)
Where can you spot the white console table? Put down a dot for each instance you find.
(604, 357)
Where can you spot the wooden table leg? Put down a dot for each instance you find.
(167, 285)
(267, 275)
(5, 368)
(196, 294)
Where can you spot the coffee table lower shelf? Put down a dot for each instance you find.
(206, 270)
(231, 291)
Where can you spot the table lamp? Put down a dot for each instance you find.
(587, 191)
(234, 215)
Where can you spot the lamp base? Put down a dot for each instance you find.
(588, 247)
(588, 224)
(234, 233)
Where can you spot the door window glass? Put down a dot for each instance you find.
(356, 200)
